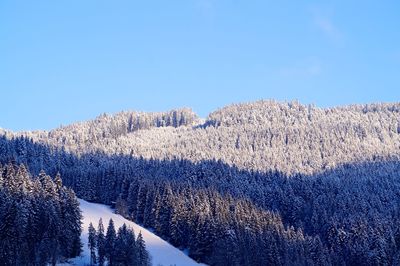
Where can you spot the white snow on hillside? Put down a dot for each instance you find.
(162, 253)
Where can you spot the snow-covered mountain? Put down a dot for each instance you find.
(291, 183)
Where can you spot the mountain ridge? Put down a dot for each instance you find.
(251, 136)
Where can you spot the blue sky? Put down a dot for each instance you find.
(66, 61)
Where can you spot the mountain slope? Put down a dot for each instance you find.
(284, 181)
(265, 135)
(162, 253)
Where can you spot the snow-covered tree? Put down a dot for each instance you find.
(143, 257)
(92, 243)
(110, 242)
(101, 241)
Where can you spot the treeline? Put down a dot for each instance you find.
(107, 128)
(116, 249)
(40, 220)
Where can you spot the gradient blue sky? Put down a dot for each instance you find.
(65, 61)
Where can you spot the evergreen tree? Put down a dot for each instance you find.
(58, 182)
(92, 243)
(31, 219)
(143, 257)
(101, 243)
(125, 247)
(110, 243)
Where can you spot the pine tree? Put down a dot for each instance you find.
(141, 203)
(72, 225)
(101, 243)
(125, 247)
(31, 220)
(92, 244)
(148, 217)
(164, 214)
(110, 243)
(143, 256)
(131, 247)
(58, 182)
(132, 199)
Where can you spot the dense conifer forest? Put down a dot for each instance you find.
(40, 220)
(261, 183)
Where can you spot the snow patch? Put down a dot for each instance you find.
(161, 252)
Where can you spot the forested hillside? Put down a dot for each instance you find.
(40, 220)
(255, 184)
(106, 129)
(265, 135)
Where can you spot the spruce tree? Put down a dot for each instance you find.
(101, 243)
(92, 244)
(143, 256)
(32, 219)
(110, 243)
(122, 247)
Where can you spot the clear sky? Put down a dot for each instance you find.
(65, 61)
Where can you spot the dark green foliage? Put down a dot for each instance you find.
(125, 247)
(143, 258)
(39, 219)
(121, 249)
(101, 242)
(110, 242)
(92, 243)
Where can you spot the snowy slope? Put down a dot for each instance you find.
(162, 252)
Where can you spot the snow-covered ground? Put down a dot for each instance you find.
(161, 252)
